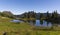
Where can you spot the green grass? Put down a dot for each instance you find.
(21, 28)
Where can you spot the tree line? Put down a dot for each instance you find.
(50, 17)
(53, 17)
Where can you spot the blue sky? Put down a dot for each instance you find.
(21, 6)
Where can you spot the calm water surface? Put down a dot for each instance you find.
(43, 23)
(36, 23)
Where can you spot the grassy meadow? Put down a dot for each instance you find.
(21, 29)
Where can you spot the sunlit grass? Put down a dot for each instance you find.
(22, 28)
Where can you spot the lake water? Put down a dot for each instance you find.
(16, 21)
(43, 23)
(36, 23)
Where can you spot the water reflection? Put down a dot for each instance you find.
(37, 23)
(16, 21)
(43, 23)
(50, 24)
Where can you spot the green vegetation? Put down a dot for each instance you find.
(7, 14)
(53, 17)
(22, 29)
(25, 28)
